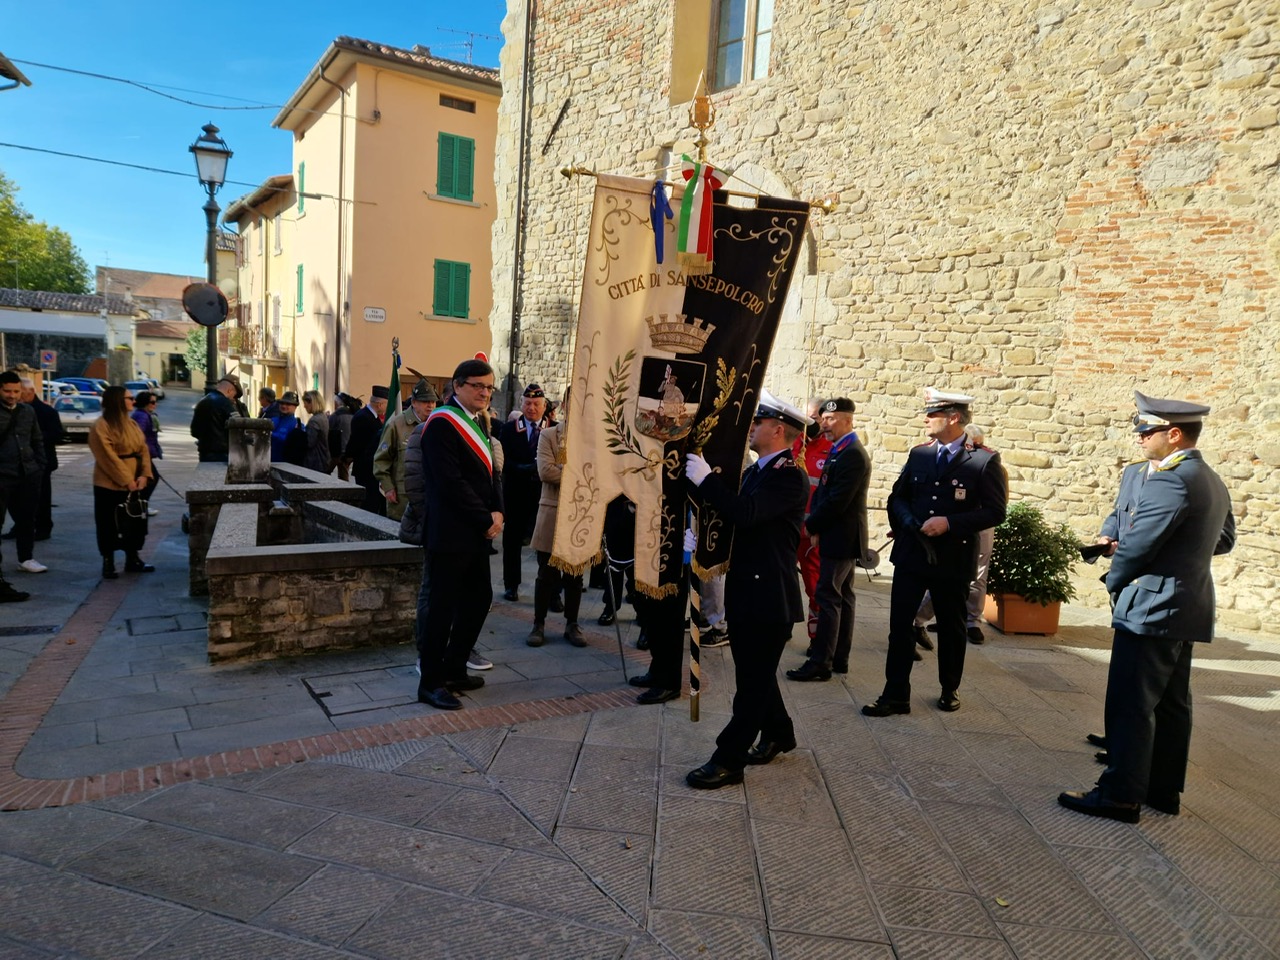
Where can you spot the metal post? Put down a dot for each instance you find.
(211, 210)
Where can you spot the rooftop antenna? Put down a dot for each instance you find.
(471, 38)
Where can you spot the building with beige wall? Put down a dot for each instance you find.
(1043, 205)
(260, 334)
(391, 223)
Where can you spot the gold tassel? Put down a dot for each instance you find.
(695, 264)
(575, 569)
(659, 592)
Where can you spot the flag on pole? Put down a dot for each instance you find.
(395, 403)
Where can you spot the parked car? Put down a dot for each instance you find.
(85, 385)
(58, 388)
(137, 386)
(156, 388)
(78, 414)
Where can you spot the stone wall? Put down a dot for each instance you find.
(1046, 205)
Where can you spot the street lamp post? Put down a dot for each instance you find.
(212, 154)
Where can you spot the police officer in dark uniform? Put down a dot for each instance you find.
(948, 491)
(762, 587)
(1162, 604)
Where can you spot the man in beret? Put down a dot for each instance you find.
(948, 491)
(388, 461)
(521, 486)
(762, 591)
(1162, 591)
(837, 528)
(366, 432)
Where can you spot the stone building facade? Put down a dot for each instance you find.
(1044, 204)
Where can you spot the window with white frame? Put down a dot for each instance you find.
(741, 34)
(275, 234)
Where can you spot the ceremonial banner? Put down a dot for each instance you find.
(667, 363)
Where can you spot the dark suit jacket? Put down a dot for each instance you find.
(209, 427)
(838, 512)
(462, 492)
(366, 431)
(521, 487)
(1120, 519)
(972, 492)
(764, 517)
(50, 431)
(1160, 575)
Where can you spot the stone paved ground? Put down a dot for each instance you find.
(550, 817)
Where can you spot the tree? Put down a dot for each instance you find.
(197, 342)
(34, 255)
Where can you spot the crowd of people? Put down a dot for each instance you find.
(457, 478)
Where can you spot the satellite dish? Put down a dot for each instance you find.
(205, 304)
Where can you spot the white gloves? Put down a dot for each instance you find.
(696, 469)
(690, 540)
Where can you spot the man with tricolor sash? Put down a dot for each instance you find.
(464, 515)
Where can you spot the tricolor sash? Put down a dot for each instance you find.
(472, 433)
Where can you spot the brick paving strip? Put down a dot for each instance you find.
(31, 696)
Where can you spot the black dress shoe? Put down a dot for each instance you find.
(512, 595)
(885, 708)
(1168, 803)
(137, 566)
(537, 636)
(764, 751)
(657, 695)
(714, 638)
(1103, 757)
(642, 680)
(1096, 805)
(440, 698)
(949, 701)
(642, 641)
(922, 639)
(109, 569)
(466, 682)
(1097, 739)
(976, 636)
(606, 619)
(712, 776)
(809, 672)
(840, 666)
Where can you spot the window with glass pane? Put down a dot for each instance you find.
(742, 41)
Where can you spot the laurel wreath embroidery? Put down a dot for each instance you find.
(725, 379)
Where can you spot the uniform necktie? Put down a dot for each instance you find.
(944, 458)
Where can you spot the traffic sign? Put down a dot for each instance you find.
(48, 359)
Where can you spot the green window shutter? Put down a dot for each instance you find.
(302, 186)
(298, 300)
(446, 169)
(444, 287)
(455, 172)
(461, 289)
(466, 167)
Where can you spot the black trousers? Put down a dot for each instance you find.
(949, 598)
(106, 525)
(459, 598)
(44, 509)
(374, 501)
(836, 606)
(663, 623)
(550, 580)
(154, 482)
(758, 710)
(1148, 714)
(19, 499)
(521, 512)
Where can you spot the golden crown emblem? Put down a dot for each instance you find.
(684, 334)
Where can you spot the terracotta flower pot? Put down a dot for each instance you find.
(1009, 613)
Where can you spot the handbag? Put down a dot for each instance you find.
(131, 520)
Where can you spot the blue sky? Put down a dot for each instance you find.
(258, 52)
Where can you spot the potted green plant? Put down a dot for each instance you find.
(1029, 576)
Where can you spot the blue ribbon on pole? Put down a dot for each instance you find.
(658, 208)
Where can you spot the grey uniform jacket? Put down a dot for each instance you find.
(1160, 577)
(1120, 519)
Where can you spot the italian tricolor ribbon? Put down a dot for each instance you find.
(471, 431)
(694, 242)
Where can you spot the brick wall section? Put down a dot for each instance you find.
(1043, 205)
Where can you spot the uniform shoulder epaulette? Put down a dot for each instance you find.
(784, 460)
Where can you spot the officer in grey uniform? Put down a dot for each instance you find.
(1162, 588)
